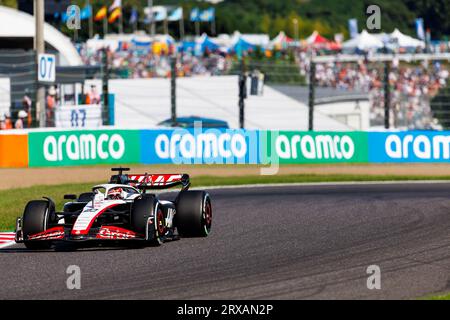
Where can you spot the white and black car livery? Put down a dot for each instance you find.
(121, 210)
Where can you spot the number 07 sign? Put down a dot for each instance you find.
(46, 68)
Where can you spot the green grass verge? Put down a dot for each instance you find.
(13, 201)
(439, 297)
(442, 297)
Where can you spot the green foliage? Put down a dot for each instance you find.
(331, 16)
(435, 14)
(272, 16)
(9, 3)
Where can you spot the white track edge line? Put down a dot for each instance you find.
(306, 184)
(337, 183)
(6, 245)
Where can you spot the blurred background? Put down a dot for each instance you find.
(278, 65)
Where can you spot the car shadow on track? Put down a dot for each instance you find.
(71, 249)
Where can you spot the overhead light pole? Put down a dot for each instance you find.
(295, 22)
(39, 47)
(152, 23)
(91, 19)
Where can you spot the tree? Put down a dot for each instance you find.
(9, 3)
(269, 16)
(435, 14)
(266, 24)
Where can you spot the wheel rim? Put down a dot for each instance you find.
(160, 223)
(208, 215)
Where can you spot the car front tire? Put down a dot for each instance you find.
(194, 214)
(35, 220)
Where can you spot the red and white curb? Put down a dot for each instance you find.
(7, 239)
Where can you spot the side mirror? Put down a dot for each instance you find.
(70, 197)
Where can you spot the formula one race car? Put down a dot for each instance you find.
(119, 210)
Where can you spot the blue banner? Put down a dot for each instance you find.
(134, 16)
(353, 28)
(208, 15)
(420, 30)
(86, 12)
(409, 146)
(195, 15)
(176, 15)
(196, 146)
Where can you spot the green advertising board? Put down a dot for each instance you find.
(290, 147)
(73, 148)
(91, 147)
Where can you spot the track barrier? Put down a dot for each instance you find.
(216, 146)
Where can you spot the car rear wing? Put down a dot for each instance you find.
(159, 181)
(151, 181)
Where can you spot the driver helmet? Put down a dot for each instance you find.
(115, 194)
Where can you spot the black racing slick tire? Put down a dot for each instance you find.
(147, 220)
(194, 214)
(35, 220)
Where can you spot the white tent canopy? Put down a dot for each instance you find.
(279, 40)
(229, 41)
(258, 40)
(17, 24)
(140, 37)
(383, 36)
(201, 38)
(364, 41)
(405, 41)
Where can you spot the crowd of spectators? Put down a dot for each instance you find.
(22, 119)
(412, 86)
(137, 64)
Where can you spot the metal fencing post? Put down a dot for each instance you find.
(173, 89)
(312, 84)
(387, 94)
(242, 94)
(39, 46)
(105, 81)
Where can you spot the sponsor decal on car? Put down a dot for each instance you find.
(157, 180)
(115, 233)
(50, 234)
(86, 219)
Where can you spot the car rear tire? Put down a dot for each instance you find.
(35, 220)
(194, 214)
(146, 220)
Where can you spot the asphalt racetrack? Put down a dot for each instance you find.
(296, 242)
